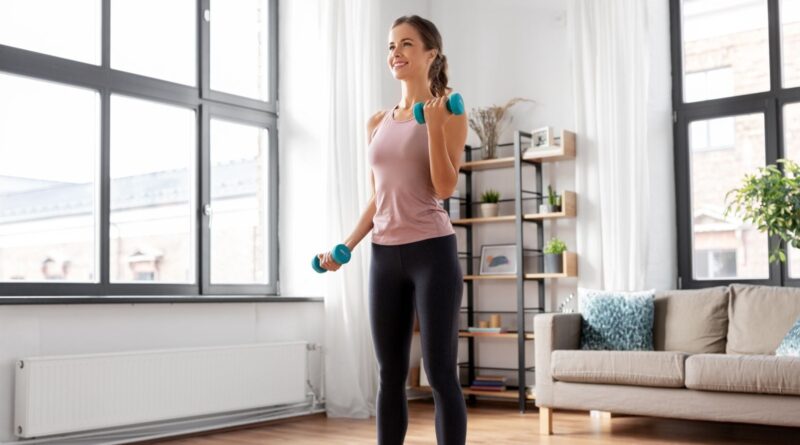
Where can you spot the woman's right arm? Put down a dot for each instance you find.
(364, 224)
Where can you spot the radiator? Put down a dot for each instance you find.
(63, 394)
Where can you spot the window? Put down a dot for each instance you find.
(733, 112)
(791, 142)
(711, 264)
(48, 213)
(729, 34)
(139, 161)
(166, 50)
(790, 42)
(152, 171)
(64, 28)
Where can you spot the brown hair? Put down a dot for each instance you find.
(431, 38)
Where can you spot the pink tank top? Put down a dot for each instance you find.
(406, 206)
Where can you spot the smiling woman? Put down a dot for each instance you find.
(415, 262)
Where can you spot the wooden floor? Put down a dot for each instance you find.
(501, 423)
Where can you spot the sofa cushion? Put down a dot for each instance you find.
(761, 374)
(616, 321)
(638, 368)
(759, 317)
(694, 321)
(790, 346)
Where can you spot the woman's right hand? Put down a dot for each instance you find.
(327, 263)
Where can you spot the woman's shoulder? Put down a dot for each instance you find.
(376, 118)
(373, 123)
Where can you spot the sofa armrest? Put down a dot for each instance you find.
(551, 332)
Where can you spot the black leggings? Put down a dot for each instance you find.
(426, 276)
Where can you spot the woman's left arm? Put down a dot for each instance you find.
(447, 135)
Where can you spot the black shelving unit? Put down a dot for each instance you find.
(521, 195)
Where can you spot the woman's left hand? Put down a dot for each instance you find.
(435, 111)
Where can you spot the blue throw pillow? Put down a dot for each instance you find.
(790, 346)
(617, 321)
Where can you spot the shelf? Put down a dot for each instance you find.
(528, 335)
(570, 270)
(512, 394)
(466, 334)
(564, 152)
(568, 210)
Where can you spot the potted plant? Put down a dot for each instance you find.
(553, 202)
(488, 123)
(489, 203)
(554, 256)
(770, 199)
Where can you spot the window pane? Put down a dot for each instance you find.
(239, 202)
(152, 231)
(725, 246)
(69, 28)
(791, 143)
(728, 43)
(155, 39)
(239, 48)
(790, 46)
(49, 145)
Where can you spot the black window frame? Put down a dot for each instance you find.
(770, 103)
(206, 103)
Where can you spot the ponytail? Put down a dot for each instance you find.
(438, 75)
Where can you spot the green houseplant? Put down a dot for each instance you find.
(770, 199)
(554, 256)
(553, 203)
(489, 203)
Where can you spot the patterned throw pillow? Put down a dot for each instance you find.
(790, 346)
(617, 321)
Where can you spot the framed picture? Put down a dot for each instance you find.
(542, 138)
(498, 259)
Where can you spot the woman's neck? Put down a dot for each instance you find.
(413, 92)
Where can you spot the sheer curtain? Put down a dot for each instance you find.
(618, 116)
(350, 73)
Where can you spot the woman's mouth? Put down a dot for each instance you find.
(398, 65)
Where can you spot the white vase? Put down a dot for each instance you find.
(489, 209)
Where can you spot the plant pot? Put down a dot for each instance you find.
(553, 263)
(547, 208)
(489, 209)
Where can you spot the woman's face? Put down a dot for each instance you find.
(407, 57)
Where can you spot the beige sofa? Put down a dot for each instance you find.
(713, 360)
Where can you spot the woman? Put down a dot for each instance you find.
(415, 263)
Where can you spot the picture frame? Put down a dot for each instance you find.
(498, 259)
(542, 138)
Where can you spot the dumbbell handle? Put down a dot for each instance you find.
(454, 104)
(341, 254)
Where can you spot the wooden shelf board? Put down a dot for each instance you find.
(566, 151)
(568, 210)
(507, 394)
(570, 270)
(466, 334)
(528, 335)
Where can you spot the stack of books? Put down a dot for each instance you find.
(489, 383)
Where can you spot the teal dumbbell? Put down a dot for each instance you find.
(455, 105)
(341, 254)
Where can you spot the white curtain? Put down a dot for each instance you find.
(350, 72)
(615, 108)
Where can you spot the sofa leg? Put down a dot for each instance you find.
(601, 419)
(545, 421)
